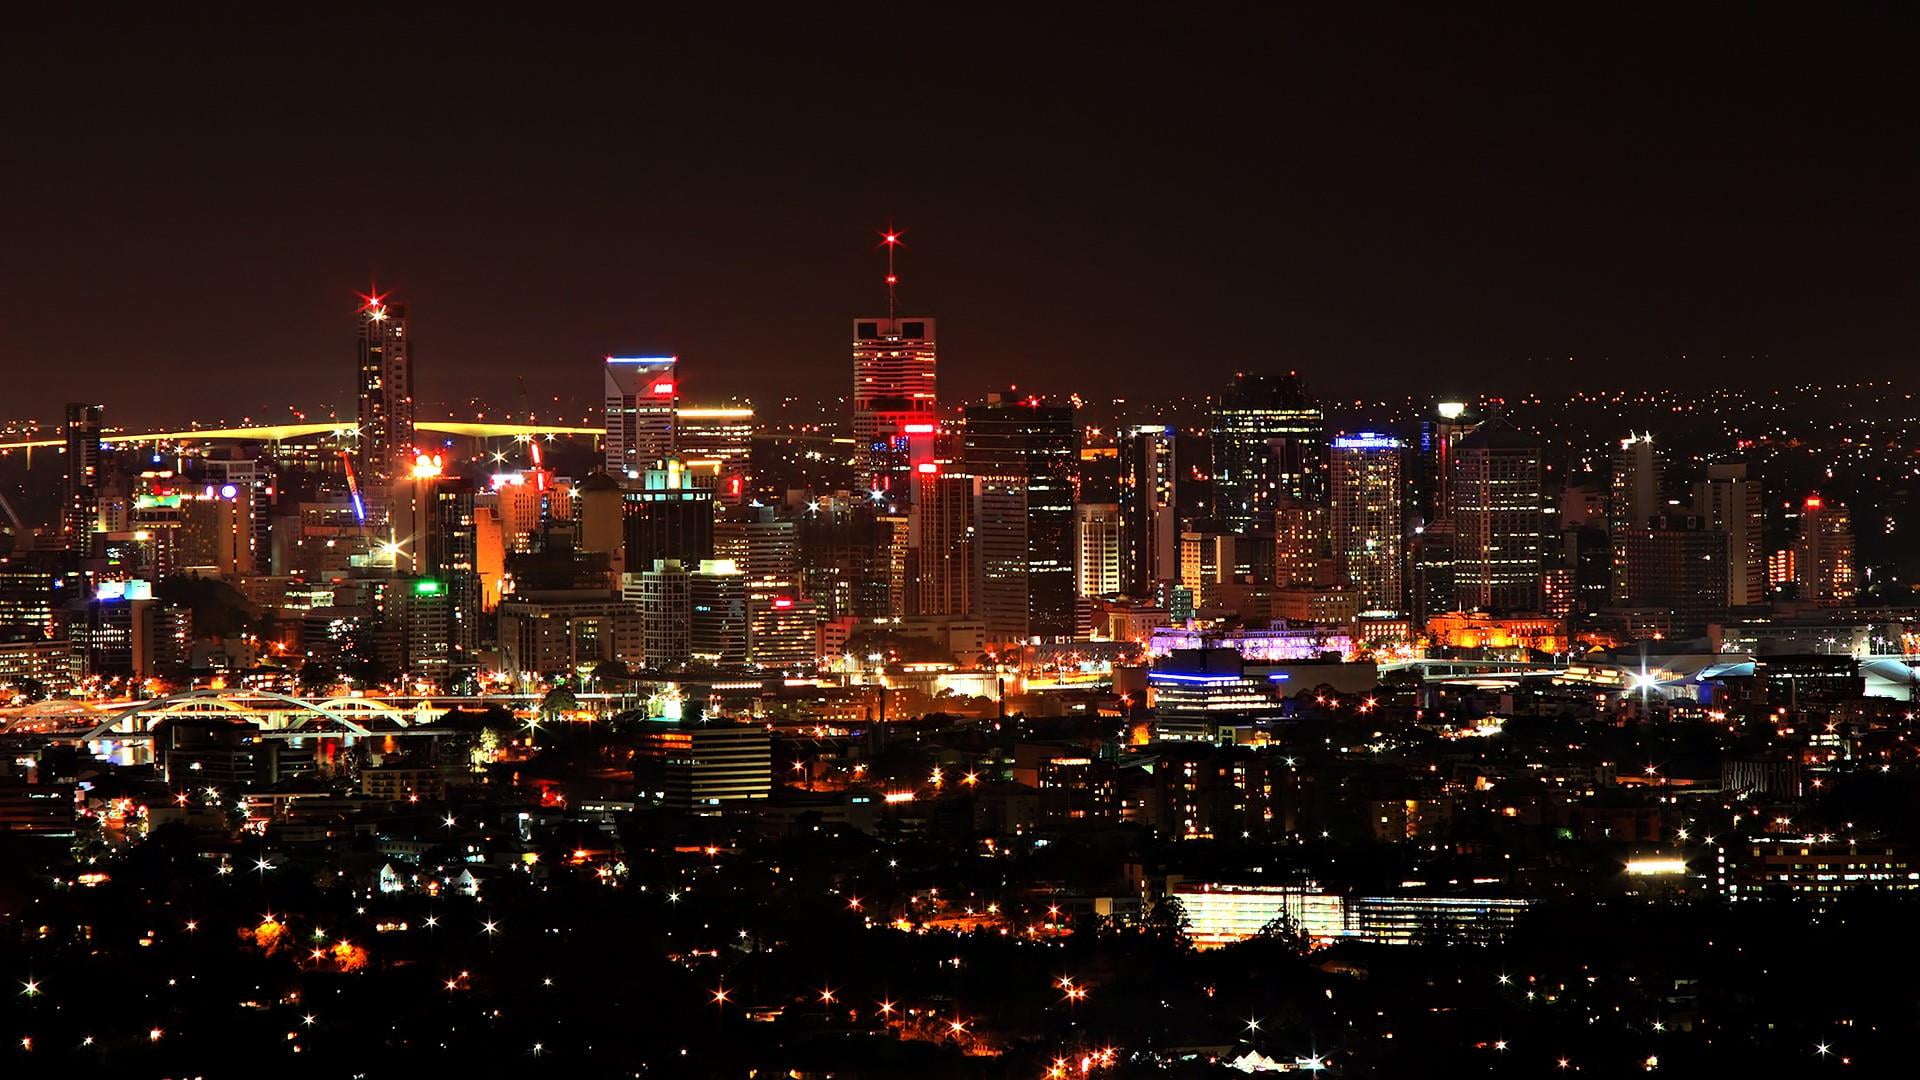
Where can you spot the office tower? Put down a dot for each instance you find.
(1207, 561)
(668, 516)
(1097, 549)
(708, 767)
(1439, 433)
(35, 587)
(214, 536)
(1587, 551)
(1022, 454)
(1674, 563)
(764, 547)
(1635, 491)
(1149, 521)
(853, 557)
(1732, 502)
(1430, 564)
(643, 395)
(1498, 520)
(666, 614)
(81, 515)
(719, 437)
(1823, 553)
(781, 633)
(1269, 442)
(386, 395)
(1367, 515)
(940, 538)
(1302, 540)
(252, 477)
(449, 553)
(717, 625)
(894, 399)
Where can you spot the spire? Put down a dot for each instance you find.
(890, 239)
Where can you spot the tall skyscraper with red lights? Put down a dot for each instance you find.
(893, 399)
(643, 398)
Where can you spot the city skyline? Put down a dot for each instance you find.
(1191, 541)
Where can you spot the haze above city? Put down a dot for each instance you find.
(1395, 205)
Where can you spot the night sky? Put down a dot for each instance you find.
(1133, 201)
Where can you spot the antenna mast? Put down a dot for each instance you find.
(891, 238)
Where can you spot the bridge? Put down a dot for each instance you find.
(335, 428)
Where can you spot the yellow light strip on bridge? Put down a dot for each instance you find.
(281, 432)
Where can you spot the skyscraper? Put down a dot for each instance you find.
(1676, 563)
(1022, 454)
(940, 537)
(1823, 553)
(1269, 442)
(642, 399)
(1636, 484)
(1149, 520)
(386, 394)
(1499, 521)
(81, 515)
(1097, 548)
(720, 436)
(717, 597)
(1367, 517)
(893, 400)
(1732, 502)
(667, 517)
(666, 614)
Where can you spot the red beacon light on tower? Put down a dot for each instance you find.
(1815, 502)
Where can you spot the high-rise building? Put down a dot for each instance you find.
(448, 552)
(1439, 433)
(386, 395)
(215, 532)
(1149, 520)
(81, 514)
(717, 627)
(1676, 563)
(1097, 549)
(853, 557)
(708, 767)
(668, 516)
(1499, 520)
(719, 437)
(894, 400)
(1368, 508)
(1302, 540)
(1022, 455)
(764, 547)
(1732, 502)
(1269, 443)
(35, 588)
(642, 400)
(1823, 553)
(664, 593)
(781, 632)
(1635, 493)
(940, 538)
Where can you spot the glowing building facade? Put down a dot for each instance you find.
(642, 400)
(894, 400)
(1367, 514)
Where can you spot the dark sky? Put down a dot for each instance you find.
(1105, 198)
